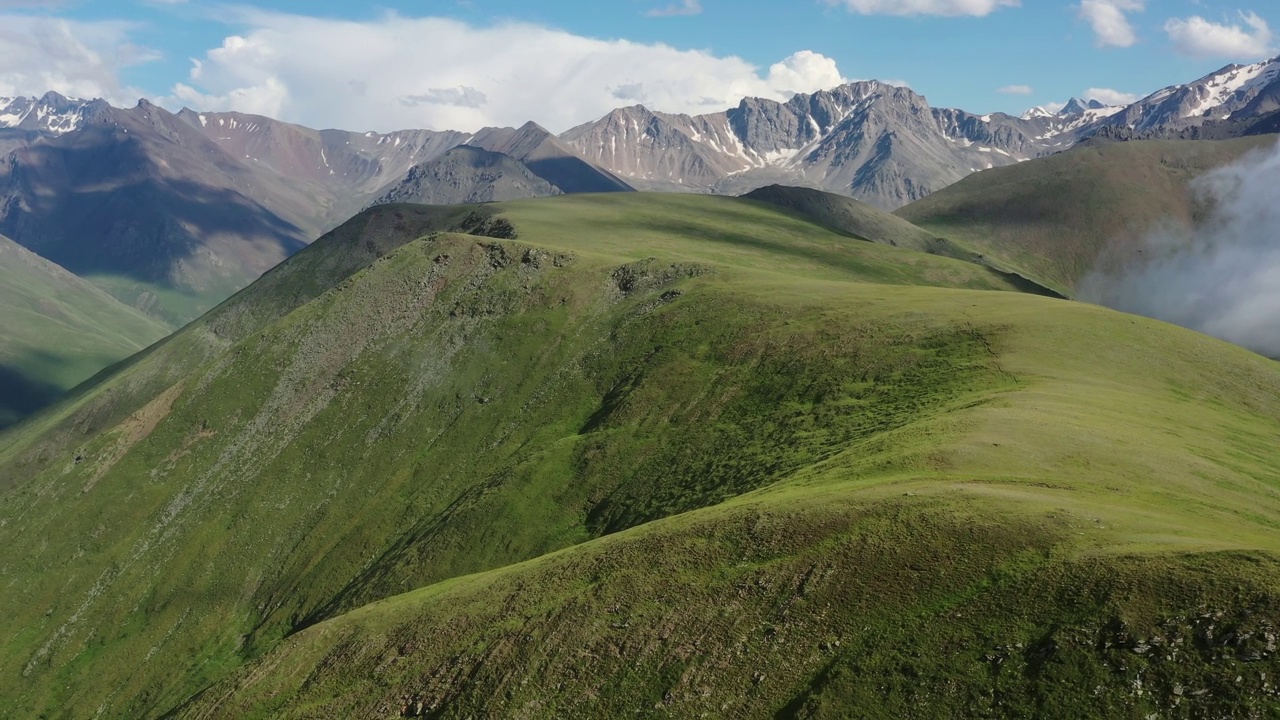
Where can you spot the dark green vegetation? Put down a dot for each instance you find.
(56, 330)
(659, 455)
(1055, 219)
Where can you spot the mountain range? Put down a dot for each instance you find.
(171, 213)
(117, 194)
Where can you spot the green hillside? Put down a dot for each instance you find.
(56, 330)
(846, 215)
(1054, 219)
(657, 455)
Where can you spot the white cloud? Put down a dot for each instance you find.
(1221, 277)
(804, 71)
(949, 8)
(1016, 90)
(1110, 23)
(685, 7)
(1107, 96)
(77, 59)
(397, 72)
(1198, 37)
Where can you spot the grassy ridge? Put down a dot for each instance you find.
(1053, 220)
(417, 422)
(844, 214)
(669, 454)
(56, 330)
(1009, 554)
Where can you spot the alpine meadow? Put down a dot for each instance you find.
(829, 405)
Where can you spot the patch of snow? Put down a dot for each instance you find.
(1219, 88)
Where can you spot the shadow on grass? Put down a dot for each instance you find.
(21, 396)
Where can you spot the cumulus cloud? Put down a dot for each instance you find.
(1110, 21)
(440, 73)
(1107, 96)
(1016, 90)
(1222, 278)
(948, 8)
(78, 59)
(804, 71)
(1195, 36)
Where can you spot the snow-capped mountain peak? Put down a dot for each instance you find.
(51, 113)
(1230, 83)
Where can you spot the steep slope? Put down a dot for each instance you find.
(56, 330)
(401, 334)
(885, 145)
(468, 175)
(875, 142)
(1052, 219)
(668, 454)
(173, 213)
(345, 170)
(50, 114)
(548, 158)
(1233, 92)
(140, 203)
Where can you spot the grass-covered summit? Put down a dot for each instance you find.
(657, 455)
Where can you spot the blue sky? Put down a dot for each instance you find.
(443, 63)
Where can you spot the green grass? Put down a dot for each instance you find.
(57, 330)
(858, 219)
(729, 232)
(174, 306)
(659, 455)
(1055, 219)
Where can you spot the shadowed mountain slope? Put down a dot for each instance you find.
(145, 206)
(56, 330)
(549, 159)
(468, 175)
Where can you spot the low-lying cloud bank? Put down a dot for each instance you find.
(1221, 277)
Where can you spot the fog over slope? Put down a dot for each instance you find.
(1221, 277)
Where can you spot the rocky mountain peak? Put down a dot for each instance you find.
(50, 114)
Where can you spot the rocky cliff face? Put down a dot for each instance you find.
(875, 142)
(885, 145)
